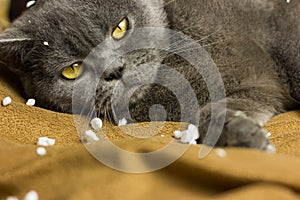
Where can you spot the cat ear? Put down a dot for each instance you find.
(13, 47)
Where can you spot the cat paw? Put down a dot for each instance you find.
(242, 131)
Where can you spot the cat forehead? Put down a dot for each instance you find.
(95, 8)
(84, 8)
(53, 17)
(77, 14)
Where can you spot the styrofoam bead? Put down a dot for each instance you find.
(221, 153)
(266, 134)
(42, 141)
(92, 135)
(41, 151)
(177, 134)
(96, 124)
(122, 122)
(30, 3)
(30, 102)
(45, 141)
(6, 101)
(271, 149)
(51, 142)
(32, 195)
(194, 131)
(193, 142)
(187, 137)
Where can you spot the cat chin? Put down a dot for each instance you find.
(119, 103)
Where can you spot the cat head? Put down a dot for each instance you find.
(47, 45)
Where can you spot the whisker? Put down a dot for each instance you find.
(14, 40)
(177, 43)
(178, 50)
(211, 34)
(217, 42)
(187, 47)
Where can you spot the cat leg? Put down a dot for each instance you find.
(244, 120)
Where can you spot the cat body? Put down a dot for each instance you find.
(254, 44)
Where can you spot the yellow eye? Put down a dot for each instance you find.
(72, 72)
(120, 30)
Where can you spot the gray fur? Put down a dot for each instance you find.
(254, 43)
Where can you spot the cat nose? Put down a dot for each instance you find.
(114, 73)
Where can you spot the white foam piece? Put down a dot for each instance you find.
(30, 102)
(51, 142)
(14, 40)
(194, 131)
(41, 151)
(271, 149)
(96, 124)
(46, 43)
(177, 134)
(221, 153)
(122, 122)
(193, 142)
(32, 195)
(6, 101)
(187, 137)
(92, 135)
(45, 141)
(30, 3)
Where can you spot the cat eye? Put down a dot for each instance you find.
(73, 72)
(120, 30)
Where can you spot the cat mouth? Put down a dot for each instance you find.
(114, 104)
(103, 104)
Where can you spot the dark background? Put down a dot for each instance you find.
(16, 8)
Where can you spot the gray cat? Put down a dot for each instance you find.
(254, 43)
